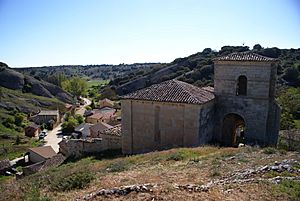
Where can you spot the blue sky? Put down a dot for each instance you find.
(62, 32)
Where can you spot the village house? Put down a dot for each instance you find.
(106, 116)
(83, 130)
(39, 154)
(241, 108)
(97, 128)
(106, 103)
(32, 130)
(46, 116)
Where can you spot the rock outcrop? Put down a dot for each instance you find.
(12, 79)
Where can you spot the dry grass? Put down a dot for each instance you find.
(166, 168)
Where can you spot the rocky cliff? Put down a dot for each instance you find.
(12, 79)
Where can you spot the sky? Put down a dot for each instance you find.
(82, 32)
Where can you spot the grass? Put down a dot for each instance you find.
(270, 150)
(108, 170)
(297, 123)
(288, 187)
(73, 181)
(95, 83)
(8, 148)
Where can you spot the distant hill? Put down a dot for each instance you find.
(103, 72)
(198, 68)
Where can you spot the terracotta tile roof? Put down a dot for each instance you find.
(54, 161)
(100, 127)
(45, 152)
(33, 125)
(244, 56)
(107, 101)
(172, 91)
(209, 88)
(116, 130)
(103, 115)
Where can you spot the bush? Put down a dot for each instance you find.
(9, 122)
(19, 118)
(270, 150)
(118, 166)
(289, 187)
(74, 181)
(88, 107)
(33, 194)
(70, 125)
(177, 156)
(79, 118)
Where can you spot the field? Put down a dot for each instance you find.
(94, 83)
(163, 171)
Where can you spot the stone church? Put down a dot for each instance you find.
(241, 108)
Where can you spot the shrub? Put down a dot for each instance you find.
(177, 156)
(289, 187)
(33, 194)
(88, 107)
(270, 150)
(118, 166)
(77, 180)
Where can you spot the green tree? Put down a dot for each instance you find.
(76, 86)
(67, 116)
(79, 118)
(289, 99)
(257, 47)
(69, 126)
(19, 118)
(57, 79)
(9, 122)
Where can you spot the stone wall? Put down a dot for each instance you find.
(79, 147)
(149, 125)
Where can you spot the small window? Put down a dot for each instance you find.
(241, 89)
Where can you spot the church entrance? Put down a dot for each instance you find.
(233, 130)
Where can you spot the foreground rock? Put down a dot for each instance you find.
(239, 177)
(120, 191)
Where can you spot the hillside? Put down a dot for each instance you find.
(103, 72)
(203, 173)
(12, 79)
(198, 68)
(13, 102)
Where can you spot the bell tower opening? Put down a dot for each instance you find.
(241, 88)
(233, 130)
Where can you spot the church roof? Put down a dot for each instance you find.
(244, 56)
(172, 91)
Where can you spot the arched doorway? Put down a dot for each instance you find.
(233, 130)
